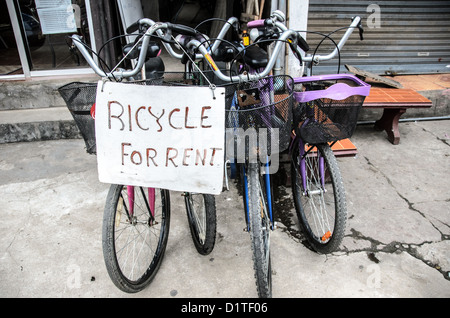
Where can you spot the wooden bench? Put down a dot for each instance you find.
(394, 102)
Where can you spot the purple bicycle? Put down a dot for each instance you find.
(328, 111)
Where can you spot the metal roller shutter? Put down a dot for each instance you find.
(400, 37)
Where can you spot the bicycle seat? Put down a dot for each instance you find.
(154, 68)
(226, 52)
(152, 50)
(255, 56)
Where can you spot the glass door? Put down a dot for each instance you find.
(9, 55)
(34, 37)
(48, 25)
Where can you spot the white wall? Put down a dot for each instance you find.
(297, 20)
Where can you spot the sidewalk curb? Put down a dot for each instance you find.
(39, 131)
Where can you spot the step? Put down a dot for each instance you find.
(51, 123)
(33, 110)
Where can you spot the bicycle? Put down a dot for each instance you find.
(259, 104)
(257, 189)
(328, 110)
(129, 208)
(132, 214)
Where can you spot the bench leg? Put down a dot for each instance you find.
(389, 122)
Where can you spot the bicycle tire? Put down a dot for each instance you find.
(137, 236)
(322, 214)
(201, 214)
(260, 227)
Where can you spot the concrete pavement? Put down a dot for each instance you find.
(396, 245)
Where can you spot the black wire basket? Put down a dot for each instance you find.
(263, 107)
(329, 106)
(79, 98)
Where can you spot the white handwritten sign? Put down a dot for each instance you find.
(167, 137)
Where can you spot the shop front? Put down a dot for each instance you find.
(34, 37)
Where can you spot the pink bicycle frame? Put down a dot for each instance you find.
(151, 200)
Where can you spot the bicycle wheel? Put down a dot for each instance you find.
(319, 197)
(135, 231)
(201, 214)
(260, 227)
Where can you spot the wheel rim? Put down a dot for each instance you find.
(265, 226)
(260, 227)
(317, 200)
(137, 236)
(197, 215)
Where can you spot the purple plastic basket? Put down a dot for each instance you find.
(329, 106)
(338, 91)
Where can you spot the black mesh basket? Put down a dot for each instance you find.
(332, 107)
(263, 106)
(79, 98)
(260, 104)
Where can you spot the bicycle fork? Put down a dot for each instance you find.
(268, 195)
(150, 203)
(303, 169)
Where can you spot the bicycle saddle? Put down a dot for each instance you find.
(154, 68)
(255, 56)
(152, 51)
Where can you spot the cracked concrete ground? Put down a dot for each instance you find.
(396, 244)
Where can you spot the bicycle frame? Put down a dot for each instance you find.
(266, 119)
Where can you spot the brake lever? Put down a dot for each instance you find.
(165, 37)
(294, 44)
(303, 44)
(361, 30)
(133, 27)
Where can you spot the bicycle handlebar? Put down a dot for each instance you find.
(356, 23)
(243, 77)
(317, 58)
(276, 19)
(154, 27)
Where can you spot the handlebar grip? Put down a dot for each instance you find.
(182, 29)
(303, 44)
(133, 27)
(256, 24)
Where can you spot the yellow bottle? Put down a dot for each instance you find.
(245, 38)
